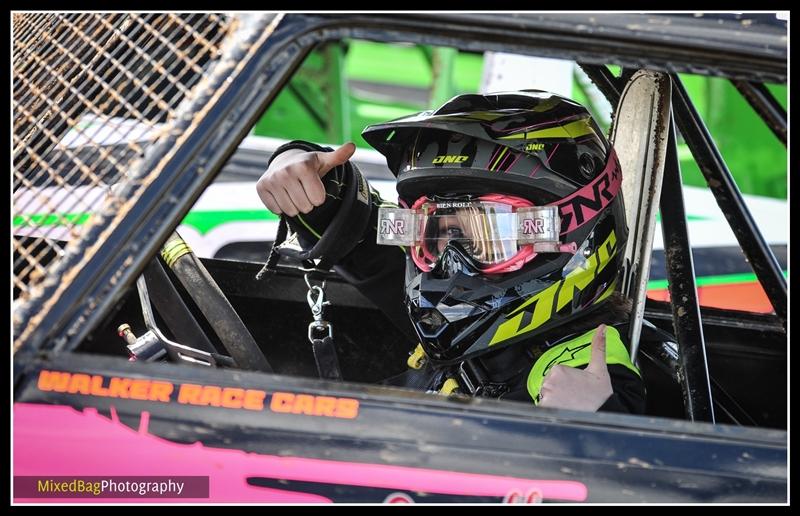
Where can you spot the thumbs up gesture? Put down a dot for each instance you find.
(580, 389)
(293, 182)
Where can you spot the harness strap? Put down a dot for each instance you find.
(274, 255)
(326, 359)
(339, 238)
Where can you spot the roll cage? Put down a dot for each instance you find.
(93, 279)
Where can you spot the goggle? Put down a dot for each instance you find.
(499, 233)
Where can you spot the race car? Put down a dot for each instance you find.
(134, 357)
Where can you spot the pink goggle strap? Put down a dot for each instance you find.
(603, 190)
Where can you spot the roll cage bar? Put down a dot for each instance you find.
(747, 61)
(680, 268)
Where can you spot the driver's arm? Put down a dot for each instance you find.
(303, 181)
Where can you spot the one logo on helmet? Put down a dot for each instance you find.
(533, 147)
(539, 308)
(393, 227)
(449, 158)
(532, 226)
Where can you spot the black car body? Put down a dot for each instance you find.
(717, 413)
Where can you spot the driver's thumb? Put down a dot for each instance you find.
(597, 363)
(330, 160)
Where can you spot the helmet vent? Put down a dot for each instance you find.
(586, 166)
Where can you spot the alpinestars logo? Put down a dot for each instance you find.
(567, 354)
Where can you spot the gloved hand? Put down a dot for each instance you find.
(579, 389)
(293, 182)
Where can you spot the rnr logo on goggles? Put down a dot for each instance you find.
(499, 233)
(537, 225)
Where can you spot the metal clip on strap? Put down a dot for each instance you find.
(321, 344)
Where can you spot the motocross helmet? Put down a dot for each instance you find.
(511, 214)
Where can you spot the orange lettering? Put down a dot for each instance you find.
(325, 406)
(303, 403)
(160, 391)
(189, 393)
(79, 383)
(285, 402)
(97, 388)
(211, 395)
(139, 389)
(254, 399)
(281, 402)
(232, 397)
(53, 381)
(119, 387)
(346, 408)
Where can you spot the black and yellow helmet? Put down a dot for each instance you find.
(504, 166)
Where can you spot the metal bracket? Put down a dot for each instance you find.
(176, 351)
